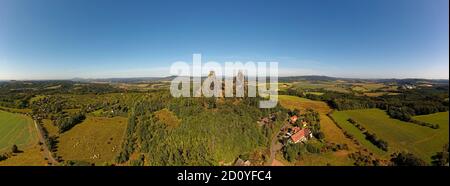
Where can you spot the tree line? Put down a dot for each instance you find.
(402, 106)
(372, 137)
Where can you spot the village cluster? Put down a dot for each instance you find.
(297, 130)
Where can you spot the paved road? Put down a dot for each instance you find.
(46, 151)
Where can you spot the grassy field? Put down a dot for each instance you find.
(326, 85)
(439, 137)
(168, 118)
(359, 89)
(401, 136)
(96, 140)
(374, 94)
(332, 132)
(16, 129)
(294, 102)
(315, 93)
(339, 158)
(367, 86)
(342, 86)
(14, 110)
(51, 129)
(31, 156)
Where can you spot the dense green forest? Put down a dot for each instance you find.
(17, 94)
(211, 130)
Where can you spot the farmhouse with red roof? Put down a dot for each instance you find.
(301, 136)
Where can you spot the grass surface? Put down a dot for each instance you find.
(15, 110)
(375, 94)
(16, 129)
(20, 130)
(31, 156)
(51, 129)
(315, 93)
(168, 118)
(339, 158)
(96, 140)
(401, 136)
(294, 102)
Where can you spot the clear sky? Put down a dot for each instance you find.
(61, 39)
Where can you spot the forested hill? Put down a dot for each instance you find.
(197, 131)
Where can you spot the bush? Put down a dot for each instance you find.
(293, 152)
(77, 163)
(15, 149)
(66, 123)
(383, 145)
(406, 159)
(441, 158)
(312, 148)
(320, 135)
(3, 157)
(425, 124)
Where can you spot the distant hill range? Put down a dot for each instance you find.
(124, 80)
(328, 78)
(280, 79)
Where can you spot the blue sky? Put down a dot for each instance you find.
(60, 39)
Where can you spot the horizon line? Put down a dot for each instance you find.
(137, 77)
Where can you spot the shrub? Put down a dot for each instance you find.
(406, 159)
(15, 149)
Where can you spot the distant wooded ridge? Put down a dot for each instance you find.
(280, 79)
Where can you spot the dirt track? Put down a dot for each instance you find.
(47, 153)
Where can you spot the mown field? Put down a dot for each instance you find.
(371, 89)
(95, 140)
(16, 129)
(31, 156)
(401, 136)
(15, 110)
(294, 102)
(325, 85)
(19, 130)
(332, 133)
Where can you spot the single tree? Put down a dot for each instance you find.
(14, 149)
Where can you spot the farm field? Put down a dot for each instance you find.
(16, 129)
(372, 89)
(51, 129)
(95, 140)
(329, 158)
(401, 136)
(374, 94)
(315, 93)
(19, 130)
(439, 137)
(295, 102)
(325, 85)
(31, 156)
(367, 86)
(15, 110)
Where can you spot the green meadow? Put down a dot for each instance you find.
(401, 136)
(16, 129)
